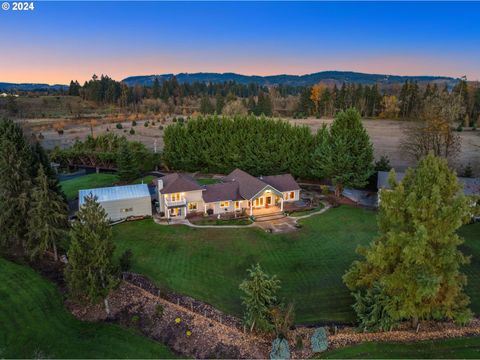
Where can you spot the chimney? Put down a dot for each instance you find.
(160, 184)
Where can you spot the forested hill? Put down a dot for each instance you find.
(337, 77)
(30, 87)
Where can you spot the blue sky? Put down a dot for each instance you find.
(59, 41)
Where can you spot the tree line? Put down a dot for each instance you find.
(341, 153)
(108, 151)
(406, 101)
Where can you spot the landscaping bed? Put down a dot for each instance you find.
(297, 213)
(213, 220)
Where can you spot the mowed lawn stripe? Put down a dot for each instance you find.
(209, 264)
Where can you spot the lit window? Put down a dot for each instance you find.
(224, 204)
(285, 196)
(292, 195)
(237, 204)
(192, 206)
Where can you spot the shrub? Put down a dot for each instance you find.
(132, 131)
(160, 127)
(60, 131)
(134, 123)
(280, 349)
(174, 119)
(135, 319)
(299, 343)
(159, 308)
(119, 126)
(324, 190)
(146, 123)
(126, 260)
(210, 211)
(319, 340)
(460, 128)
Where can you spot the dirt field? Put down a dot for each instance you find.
(386, 136)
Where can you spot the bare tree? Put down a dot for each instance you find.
(434, 130)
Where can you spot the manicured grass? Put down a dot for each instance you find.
(210, 221)
(34, 324)
(209, 264)
(207, 181)
(90, 181)
(461, 348)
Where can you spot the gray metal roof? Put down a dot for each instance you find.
(115, 193)
(471, 186)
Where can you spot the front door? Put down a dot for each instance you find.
(174, 212)
(268, 201)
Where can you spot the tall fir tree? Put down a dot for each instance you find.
(47, 217)
(15, 186)
(127, 166)
(156, 89)
(414, 264)
(91, 272)
(344, 153)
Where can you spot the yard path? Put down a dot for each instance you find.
(321, 211)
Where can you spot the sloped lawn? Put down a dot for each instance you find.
(461, 348)
(34, 324)
(209, 264)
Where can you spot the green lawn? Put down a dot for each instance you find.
(207, 181)
(209, 264)
(34, 324)
(461, 348)
(90, 181)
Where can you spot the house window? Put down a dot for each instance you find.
(261, 201)
(192, 206)
(224, 204)
(237, 204)
(285, 196)
(126, 210)
(292, 195)
(256, 202)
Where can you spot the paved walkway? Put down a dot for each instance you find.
(285, 224)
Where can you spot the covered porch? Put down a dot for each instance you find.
(269, 200)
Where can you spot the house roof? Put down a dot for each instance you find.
(222, 191)
(248, 185)
(115, 193)
(177, 182)
(284, 182)
(471, 186)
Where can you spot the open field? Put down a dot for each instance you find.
(460, 348)
(209, 264)
(386, 136)
(34, 324)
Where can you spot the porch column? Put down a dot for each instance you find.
(281, 204)
(205, 208)
(251, 207)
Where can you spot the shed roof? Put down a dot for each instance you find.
(177, 182)
(115, 193)
(471, 186)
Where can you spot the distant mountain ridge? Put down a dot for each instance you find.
(337, 77)
(29, 87)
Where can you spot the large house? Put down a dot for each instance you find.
(180, 195)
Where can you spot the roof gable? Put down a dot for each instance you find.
(177, 182)
(248, 185)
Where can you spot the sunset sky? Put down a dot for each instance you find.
(60, 41)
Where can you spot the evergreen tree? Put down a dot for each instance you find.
(219, 103)
(127, 167)
(416, 259)
(344, 153)
(41, 158)
(206, 106)
(74, 88)
(15, 186)
(90, 274)
(264, 105)
(47, 217)
(260, 296)
(156, 89)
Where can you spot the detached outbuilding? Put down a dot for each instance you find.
(121, 202)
